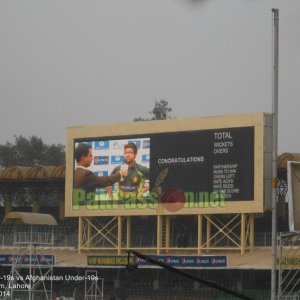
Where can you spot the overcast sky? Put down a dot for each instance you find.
(80, 62)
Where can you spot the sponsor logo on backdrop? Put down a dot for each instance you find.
(145, 158)
(146, 144)
(101, 173)
(101, 160)
(99, 145)
(118, 145)
(117, 159)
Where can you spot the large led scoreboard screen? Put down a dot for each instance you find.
(193, 170)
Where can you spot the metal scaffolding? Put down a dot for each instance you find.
(32, 259)
(93, 286)
(235, 232)
(289, 266)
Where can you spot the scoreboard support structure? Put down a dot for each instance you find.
(234, 232)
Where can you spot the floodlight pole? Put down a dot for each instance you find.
(275, 49)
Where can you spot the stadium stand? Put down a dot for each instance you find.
(143, 283)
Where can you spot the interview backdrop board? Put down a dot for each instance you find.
(206, 165)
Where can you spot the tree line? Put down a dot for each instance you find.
(31, 151)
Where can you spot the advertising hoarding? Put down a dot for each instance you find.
(8, 259)
(177, 261)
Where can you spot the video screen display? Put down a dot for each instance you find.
(107, 158)
(189, 168)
